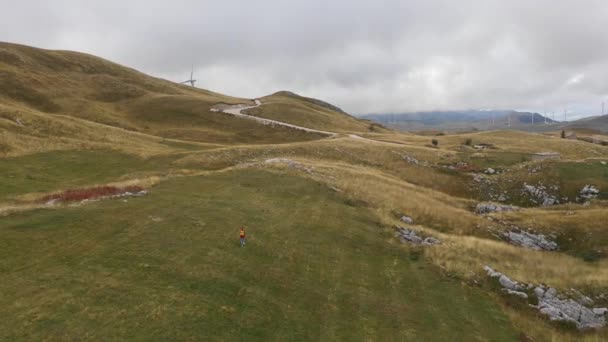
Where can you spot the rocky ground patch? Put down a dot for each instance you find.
(556, 306)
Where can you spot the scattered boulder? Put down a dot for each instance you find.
(589, 192)
(490, 171)
(529, 240)
(413, 237)
(489, 207)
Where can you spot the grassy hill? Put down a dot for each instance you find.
(302, 111)
(322, 262)
(81, 86)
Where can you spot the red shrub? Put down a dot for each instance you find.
(90, 193)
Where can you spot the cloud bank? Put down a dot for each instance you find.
(365, 56)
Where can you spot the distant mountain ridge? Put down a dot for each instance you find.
(460, 120)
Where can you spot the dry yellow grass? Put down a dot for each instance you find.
(449, 219)
(511, 141)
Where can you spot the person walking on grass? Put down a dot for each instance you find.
(242, 236)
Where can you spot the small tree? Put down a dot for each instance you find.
(468, 142)
(563, 134)
(435, 142)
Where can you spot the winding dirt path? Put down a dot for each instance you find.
(236, 110)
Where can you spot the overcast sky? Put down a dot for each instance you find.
(365, 56)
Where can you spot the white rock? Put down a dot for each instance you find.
(506, 282)
(516, 293)
(407, 219)
(490, 271)
(530, 240)
(540, 293)
(600, 311)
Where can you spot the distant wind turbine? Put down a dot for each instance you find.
(191, 80)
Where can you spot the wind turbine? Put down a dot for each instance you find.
(191, 80)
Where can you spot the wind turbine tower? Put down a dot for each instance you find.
(191, 80)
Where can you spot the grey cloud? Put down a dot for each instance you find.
(365, 56)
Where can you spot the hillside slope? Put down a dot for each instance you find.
(307, 112)
(36, 81)
(597, 123)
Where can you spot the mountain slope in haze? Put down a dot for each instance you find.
(462, 120)
(36, 82)
(598, 123)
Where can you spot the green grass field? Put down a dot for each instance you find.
(168, 266)
(45, 172)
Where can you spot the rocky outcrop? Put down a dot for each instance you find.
(489, 207)
(589, 192)
(529, 240)
(413, 237)
(540, 195)
(568, 310)
(550, 303)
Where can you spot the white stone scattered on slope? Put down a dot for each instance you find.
(589, 192)
(413, 237)
(568, 310)
(540, 195)
(488, 207)
(551, 305)
(530, 240)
